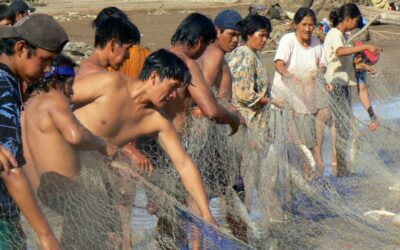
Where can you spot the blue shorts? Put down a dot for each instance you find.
(361, 77)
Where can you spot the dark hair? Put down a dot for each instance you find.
(252, 23)
(116, 28)
(56, 81)
(7, 46)
(302, 13)
(167, 65)
(193, 27)
(347, 10)
(7, 13)
(106, 13)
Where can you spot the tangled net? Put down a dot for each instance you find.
(282, 208)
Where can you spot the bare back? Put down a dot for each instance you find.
(45, 145)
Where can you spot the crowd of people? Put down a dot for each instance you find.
(124, 96)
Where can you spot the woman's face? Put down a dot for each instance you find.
(305, 28)
(351, 23)
(258, 40)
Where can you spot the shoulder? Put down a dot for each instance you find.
(334, 33)
(112, 79)
(212, 55)
(242, 52)
(288, 37)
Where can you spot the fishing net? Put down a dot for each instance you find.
(284, 204)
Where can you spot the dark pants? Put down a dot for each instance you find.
(341, 108)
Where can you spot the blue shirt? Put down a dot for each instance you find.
(10, 132)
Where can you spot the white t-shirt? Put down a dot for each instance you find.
(304, 62)
(340, 70)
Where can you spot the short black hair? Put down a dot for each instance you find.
(7, 13)
(167, 65)
(106, 13)
(116, 28)
(192, 28)
(55, 81)
(302, 13)
(7, 46)
(253, 23)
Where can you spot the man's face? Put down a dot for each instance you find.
(164, 91)
(32, 66)
(228, 40)
(68, 90)
(119, 54)
(20, 15)
(6, 22)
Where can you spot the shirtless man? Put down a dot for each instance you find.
(218, 76)
(120, 109)
(114, 36)
(189, 42)
(215, 68)
(53, 167)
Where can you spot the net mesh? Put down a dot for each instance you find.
(110, 205)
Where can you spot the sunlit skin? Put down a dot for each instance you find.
(6, 22)
(228, 40)
(120, 53)
(304, 30)
(31, 67)
(112, 55)
(258, 40)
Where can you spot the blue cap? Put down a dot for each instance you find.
(228, 19)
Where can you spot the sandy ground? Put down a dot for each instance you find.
(158, 21)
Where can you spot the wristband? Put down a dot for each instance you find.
(371, 114)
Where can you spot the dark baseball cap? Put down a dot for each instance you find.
(228, 19)
(40, 30)
(21, 6)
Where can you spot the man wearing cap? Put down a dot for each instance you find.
(21, 9)
(26, 50)
(215, 68)
(217, 74)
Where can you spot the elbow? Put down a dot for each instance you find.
(74, 137)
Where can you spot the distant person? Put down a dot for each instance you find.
(251, 96)
(7, 15)
(298, 62)
(137, 53)
(363, 62)
(340, 72)
(215, 68)
(219, 172)
(114, 36)
(24, 55)
(21, 9)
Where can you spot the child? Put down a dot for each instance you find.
(340, 72)
(363, 62)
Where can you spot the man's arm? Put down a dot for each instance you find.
(206, 101)
(21, 192)
(186, 168)
(74, 132)
(211, 65)
(225, 90)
